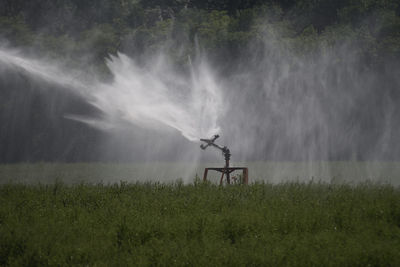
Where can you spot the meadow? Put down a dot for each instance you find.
(199, 224)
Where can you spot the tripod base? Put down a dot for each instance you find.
(227, 171)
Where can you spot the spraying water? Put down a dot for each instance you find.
(274, 105)
(152, 97)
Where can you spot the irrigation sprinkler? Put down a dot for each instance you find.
(227, 170)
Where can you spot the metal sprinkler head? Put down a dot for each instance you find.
(210, 142)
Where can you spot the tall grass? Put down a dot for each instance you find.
(199, 224)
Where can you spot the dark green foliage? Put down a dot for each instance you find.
(15, 30)
(223, 25)
(202, 225)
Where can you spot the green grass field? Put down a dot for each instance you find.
(122, 224)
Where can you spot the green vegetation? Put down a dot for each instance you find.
(222, 27)
(199, 225)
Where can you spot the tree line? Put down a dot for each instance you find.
(106, 26)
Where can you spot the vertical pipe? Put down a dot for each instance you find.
(228, 175)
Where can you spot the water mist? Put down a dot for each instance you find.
(151, 96)
(296, 112)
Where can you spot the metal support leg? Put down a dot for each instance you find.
(205, 175)
(227, 172)
(245, 176)
(222, 179)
